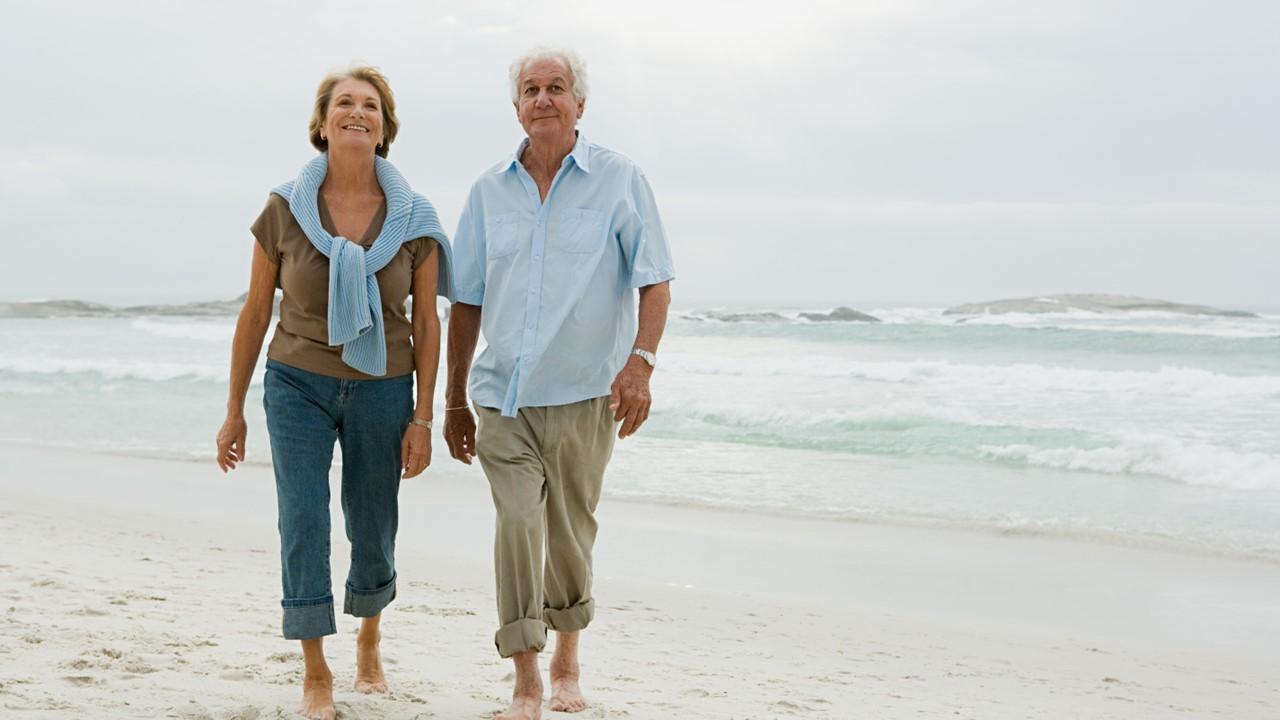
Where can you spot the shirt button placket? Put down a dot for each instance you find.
(535, 277)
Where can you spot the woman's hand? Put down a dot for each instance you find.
(415, 450)
(231, 442)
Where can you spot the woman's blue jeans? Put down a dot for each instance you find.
(306, 413)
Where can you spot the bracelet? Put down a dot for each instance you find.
(418, 421)
(460, 407)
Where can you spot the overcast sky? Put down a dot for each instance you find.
(802, 153)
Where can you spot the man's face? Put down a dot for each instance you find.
(546, 107)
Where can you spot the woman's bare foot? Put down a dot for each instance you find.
(317, 697)
(369, 677)
(526, 701)
(566, 695)
(317, 683)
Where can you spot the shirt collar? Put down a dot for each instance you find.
(581, 154)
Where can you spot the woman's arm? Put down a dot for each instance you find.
(415, 448)
(251, 327)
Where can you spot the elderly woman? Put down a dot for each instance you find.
(347, 241)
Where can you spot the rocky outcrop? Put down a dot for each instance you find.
(1090, 303)
(754, 317)
(53, 308)
(80, 308)
(840, 314)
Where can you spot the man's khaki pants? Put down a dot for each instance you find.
(545, 468)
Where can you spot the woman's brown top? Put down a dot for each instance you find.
(302, 334)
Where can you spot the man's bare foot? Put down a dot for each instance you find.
(526, 701)
(369, 677)
(523, 708)
(317, 697)
(566, 695)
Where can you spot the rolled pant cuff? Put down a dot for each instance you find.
(367, 603)
(308, 618)
(521, 635)
(572, 618)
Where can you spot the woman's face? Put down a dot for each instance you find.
(353, 122)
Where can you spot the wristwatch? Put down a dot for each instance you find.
(646, 356)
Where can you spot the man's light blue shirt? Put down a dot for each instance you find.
(556, 280)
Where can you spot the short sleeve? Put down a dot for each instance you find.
(421, 249)
(468, 252)
(642, 237)
(269, 227)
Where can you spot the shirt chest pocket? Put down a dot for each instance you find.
(580, 231)
(501, 235)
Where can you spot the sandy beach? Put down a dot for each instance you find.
(149, 588)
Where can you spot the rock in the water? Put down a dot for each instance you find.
(80, 308)
(1089, 303)
(840, 314)
(53, 308)
(210, 308)
(764, 317)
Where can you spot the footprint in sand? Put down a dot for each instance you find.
(790, 707)
(238, 675)
(443, 611)
(248, 712)
(406, 697)
(82, 680)
(89, 612)
(696, 692)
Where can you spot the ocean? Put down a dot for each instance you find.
(1134, 427)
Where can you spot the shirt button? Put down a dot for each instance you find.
(537, 257)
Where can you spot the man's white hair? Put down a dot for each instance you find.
(577, 68)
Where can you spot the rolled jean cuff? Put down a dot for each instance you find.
(572, 618)
(367, 603)
(308, 618)
(521, 635)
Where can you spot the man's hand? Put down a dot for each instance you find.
(629, 397)
(460, 433)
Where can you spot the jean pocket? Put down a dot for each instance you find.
(501, 233)
(581, 231)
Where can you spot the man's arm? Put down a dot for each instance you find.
(459, 424)
(629, 396)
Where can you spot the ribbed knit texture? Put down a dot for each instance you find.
(355, 303)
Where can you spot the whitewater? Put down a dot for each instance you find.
(1141, 427)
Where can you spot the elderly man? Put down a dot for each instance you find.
(552, 244)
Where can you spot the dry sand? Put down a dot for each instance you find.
(149, 589)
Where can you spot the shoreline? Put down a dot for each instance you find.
(1102, 538)
(162, 600)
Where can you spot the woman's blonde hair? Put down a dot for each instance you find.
(371, 75)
